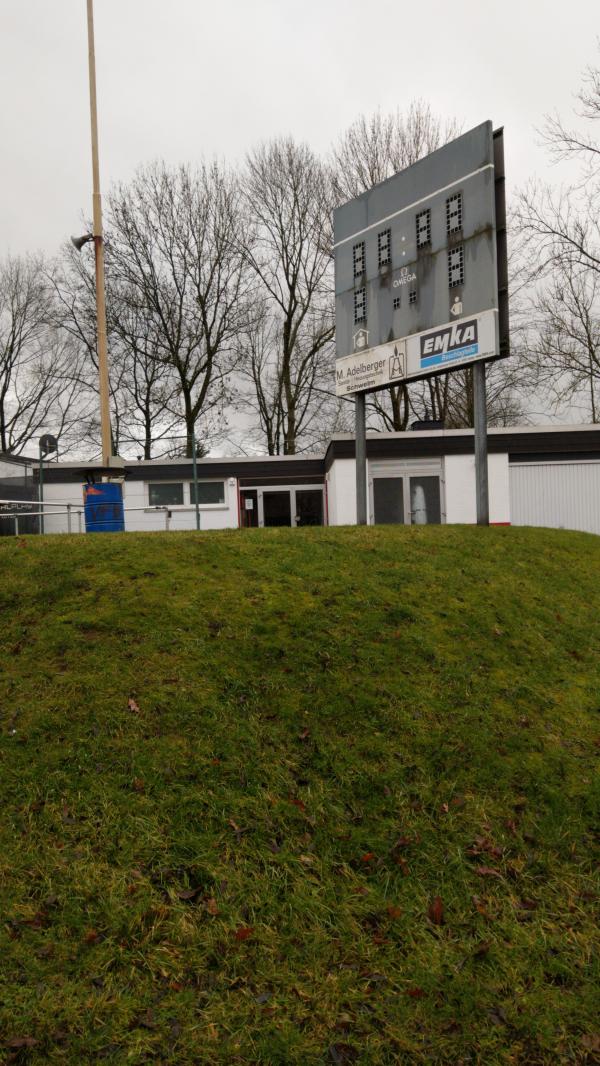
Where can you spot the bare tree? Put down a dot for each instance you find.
(148, 385)
(174, 247)
(373, 148)
(563, 339)
(259, 346)
(37, 391)
(560, 231)
(392, 408)
(564, 225)
(288, 344)
(564, 141)
(73, 281)
(143, 387)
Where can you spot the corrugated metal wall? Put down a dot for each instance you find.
(559, 495)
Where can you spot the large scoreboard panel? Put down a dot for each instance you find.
(416, 268)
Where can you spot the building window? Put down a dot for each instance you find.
(456, 266)
(209, 492)
(384, 247)
(360, 306)
(358, 259)
(166, 494)
(423, 228)
(396, 303)
(412, 297)
(454, 213)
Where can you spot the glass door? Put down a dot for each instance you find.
(248, 508)
(277, 509)
(425, 506)
(309, 507)
(412, 499)
(388, 500)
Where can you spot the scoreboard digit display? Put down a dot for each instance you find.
(418, 260)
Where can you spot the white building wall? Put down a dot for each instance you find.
(135, 495)
(63, 493)
(554, 494)
(560, 495)
(8, 469)
(341, 493)
(458, 490)
(215, 516)
(459, 479)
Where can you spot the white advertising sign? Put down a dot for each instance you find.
(446, 347)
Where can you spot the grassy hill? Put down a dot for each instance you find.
(310, 796)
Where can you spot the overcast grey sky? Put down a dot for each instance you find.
(181, 78)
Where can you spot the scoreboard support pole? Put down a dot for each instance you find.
(481, 447)
(361, 458)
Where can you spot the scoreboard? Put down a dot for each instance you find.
(418, 260)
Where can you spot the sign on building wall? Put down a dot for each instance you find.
(417, 261)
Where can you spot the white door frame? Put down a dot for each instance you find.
(291, 489)
(405, 469)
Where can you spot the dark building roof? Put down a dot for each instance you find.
(263, 469)
(18, 460)
(533, 444)
(523, 444)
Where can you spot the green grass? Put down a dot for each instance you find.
(328, 730)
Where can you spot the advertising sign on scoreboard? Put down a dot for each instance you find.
(420, 268)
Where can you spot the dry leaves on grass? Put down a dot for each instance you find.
(487, 871)
(187, 894)
(435, 912)
(480, 907)
(244, 932)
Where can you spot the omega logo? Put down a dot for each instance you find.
(405, 277)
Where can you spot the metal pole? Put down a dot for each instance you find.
(195, 470)
(481, 452)
(41, 492)
(68, 518)
(16, 525)
(361, 459)
(99, 248)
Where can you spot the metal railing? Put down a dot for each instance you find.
(70, 510)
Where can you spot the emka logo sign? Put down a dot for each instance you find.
(459, 341)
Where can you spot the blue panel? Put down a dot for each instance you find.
(103, 505)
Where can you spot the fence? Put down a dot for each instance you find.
(72, 511)
(19, 489)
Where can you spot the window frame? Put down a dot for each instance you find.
(209, 506)
(459, 251)
(426, 242)
(384, 243)
(360, 295)
(360, 248)
(187, 503)
(454, 209)
(160, 484)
